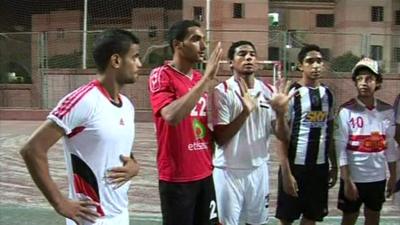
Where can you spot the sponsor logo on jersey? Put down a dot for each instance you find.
(316, 119)
(200, 132)
(373, 142)
(154, 81)
(198, 146)
(199, 129)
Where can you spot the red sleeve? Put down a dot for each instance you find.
(161, 90)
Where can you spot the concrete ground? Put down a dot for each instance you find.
(22, 203)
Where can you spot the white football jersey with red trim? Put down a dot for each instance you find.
(249, 147)
(97, 132)
(364, 139)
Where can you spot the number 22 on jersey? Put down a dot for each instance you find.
(200, 108)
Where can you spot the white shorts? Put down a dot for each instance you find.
(121, 219)
(242, 194)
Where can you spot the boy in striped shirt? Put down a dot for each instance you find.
(305, 173)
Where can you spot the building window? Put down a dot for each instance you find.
(396, 55)
(325, 20)
(397, 17)
(376, 13)
(238, 9)
(326, 53)
(376, 52)
(198, 13)
(152, 31)
(273, 53)
(60, 33)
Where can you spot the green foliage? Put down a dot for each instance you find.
(73, 61)
(65, 61)
(345, 62)
(89, 50)
(158, 58)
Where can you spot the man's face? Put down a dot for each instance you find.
(130, 64)
(312, 65)
(193, 46)
(244, 60)
(366, 83)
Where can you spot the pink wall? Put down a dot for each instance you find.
(60, 82)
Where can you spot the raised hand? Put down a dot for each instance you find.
(280, 100)
(118, 176)
(213, 62)
(78, 210)
(249, 103)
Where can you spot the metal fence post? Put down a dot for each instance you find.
(284, 53)
(365, 44)
(43, 66)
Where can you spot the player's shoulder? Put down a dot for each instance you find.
(383, 106)
(349, 105)
(126, 100)
(197, 72)
(84, 97)
(326, 88)
(226, 85)
(85, 92)
(161, 70)
(295, 85)
(160, 78)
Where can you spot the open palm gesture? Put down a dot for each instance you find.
(279, 101)
(249, 102)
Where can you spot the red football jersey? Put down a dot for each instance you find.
(184, 150)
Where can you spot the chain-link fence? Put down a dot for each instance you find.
(42, 55)
(48, 65)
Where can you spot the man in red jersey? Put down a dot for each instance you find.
(178, 96)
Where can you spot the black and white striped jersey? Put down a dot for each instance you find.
(311, 121)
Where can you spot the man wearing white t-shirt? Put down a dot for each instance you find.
(242, 117)
(96, 123)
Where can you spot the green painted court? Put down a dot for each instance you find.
(21, 215)
(21, 202)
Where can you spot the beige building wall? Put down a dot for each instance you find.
(145, 19)
(299, 18)
(253, 26)
(59, 25)
(355, 16)
(159, 19)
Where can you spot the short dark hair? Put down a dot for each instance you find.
(179, 30)
(109, 42)
(231, 51)
(306, 49)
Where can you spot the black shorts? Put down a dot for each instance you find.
(312, 202)
(188, 203)
(371, 194)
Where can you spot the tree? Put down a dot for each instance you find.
(344, 63)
